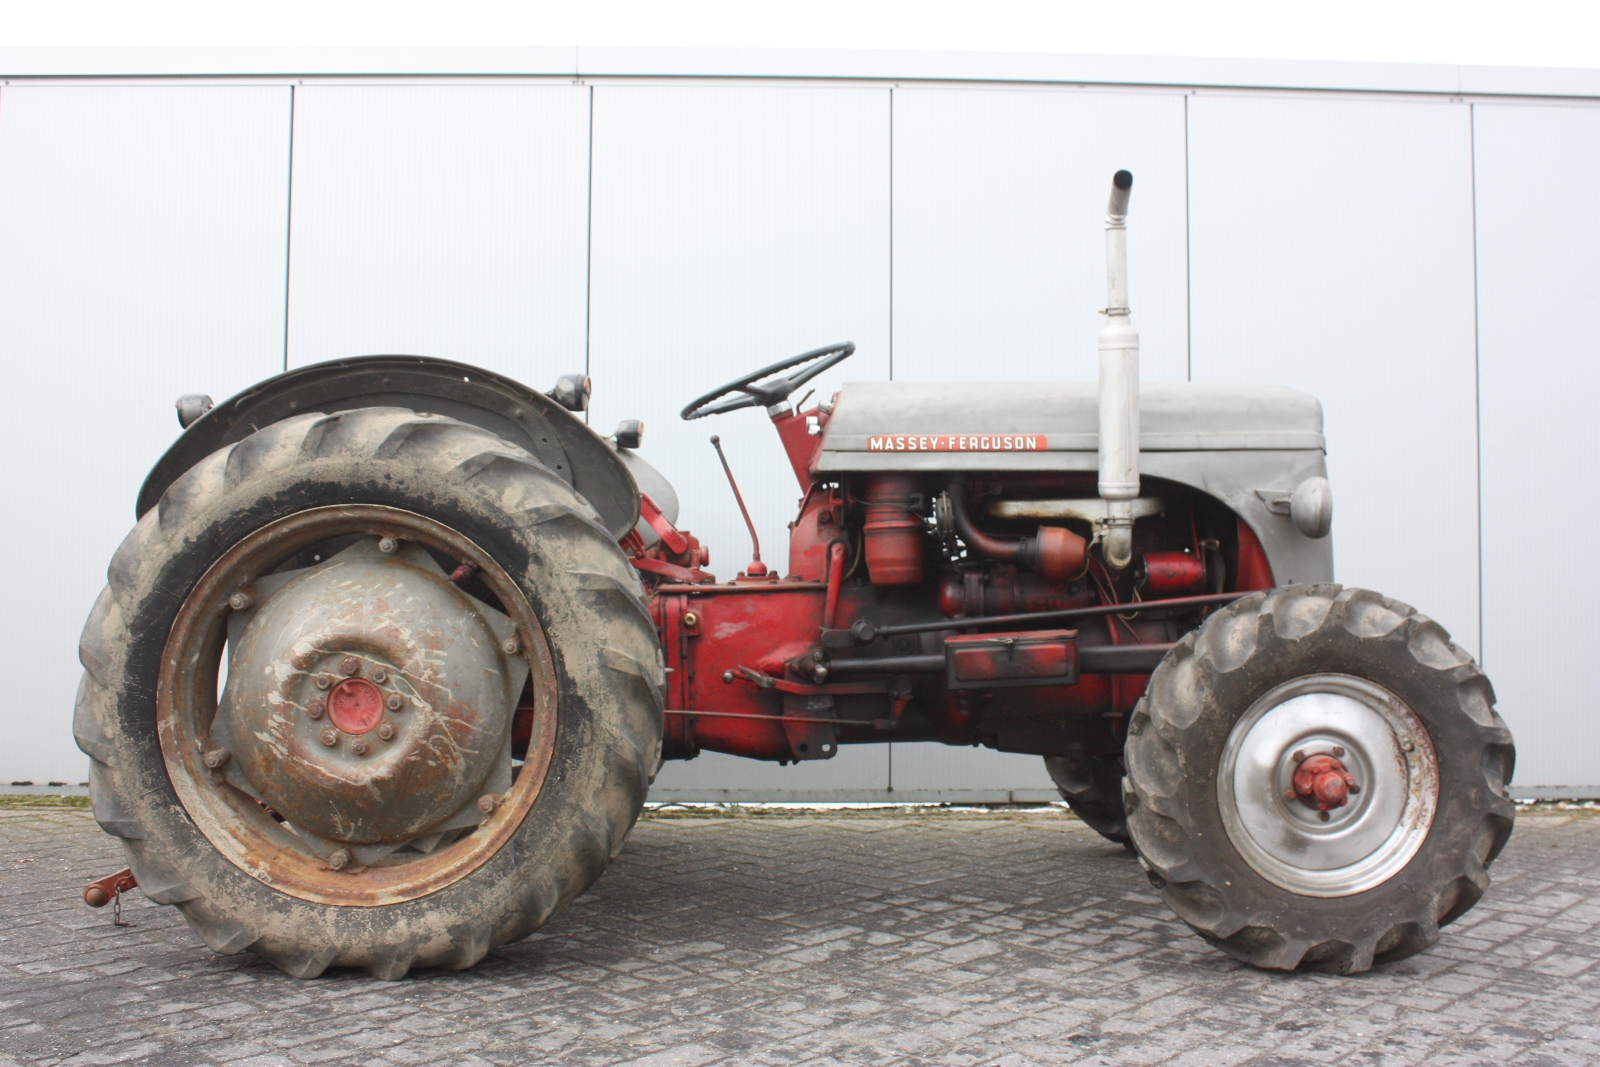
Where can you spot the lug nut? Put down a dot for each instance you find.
(329, 737)
(386, 731)
(1338, 750)
(394, 702)
(488, 802)
(387, 545)
(511, 646)
(217, 757)
(322, 681)
(1299, 756)
(240, 601)
(350, 666)
(1324, 816)
(358, 746)
(315, 709)
(339, 859)
(380, 675)
(1353, 788)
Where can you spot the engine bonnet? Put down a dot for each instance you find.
(1051, 425)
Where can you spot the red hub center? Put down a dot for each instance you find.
(355, 705)
(1323, 782)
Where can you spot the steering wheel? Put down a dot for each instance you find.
(778, 389)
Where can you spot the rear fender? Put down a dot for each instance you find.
(522, 416)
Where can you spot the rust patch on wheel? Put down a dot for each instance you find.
(334, 712)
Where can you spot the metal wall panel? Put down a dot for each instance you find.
(441, 220)
(999, 216)
(1538, 170)
(999, 272)
(1331, 251)
(143, 230)
(733, 226)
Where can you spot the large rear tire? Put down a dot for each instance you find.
(1317, 779)
(203, 835)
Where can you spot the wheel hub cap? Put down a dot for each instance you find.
(1328, 785)
(368, 699)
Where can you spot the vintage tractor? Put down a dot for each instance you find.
(382, 675)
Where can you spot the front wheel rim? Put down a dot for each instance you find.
(243, 828)
(1358, 845)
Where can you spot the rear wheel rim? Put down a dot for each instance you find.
(240, 826)
(1363, 843)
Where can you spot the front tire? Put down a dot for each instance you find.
(238, 847)
(1399, 726)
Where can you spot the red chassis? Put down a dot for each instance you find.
(769, 667)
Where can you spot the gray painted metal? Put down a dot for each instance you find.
(1233, 442)
(510, 409)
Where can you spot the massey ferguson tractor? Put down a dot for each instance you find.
(382, 675)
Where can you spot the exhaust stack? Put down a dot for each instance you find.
(1119, 387)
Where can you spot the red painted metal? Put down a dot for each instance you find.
(830, 606)
(355, 705)
(978, 661)
(893, 532)
(669, 534)
(1323, 782)
(1172, 574)
(102, 891)
(747, 671)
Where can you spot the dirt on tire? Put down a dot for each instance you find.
(1177, 735)
(546, 536)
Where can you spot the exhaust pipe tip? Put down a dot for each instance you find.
(1121, 188)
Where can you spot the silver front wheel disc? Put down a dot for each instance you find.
(1376, 743)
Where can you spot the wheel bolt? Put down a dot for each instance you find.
(240, 601)
(339, 859)
(387, 545)
(1354, 787)
(380, 675)
(1338, 750)
(350, 666)
(358, 746)
(511, 646)
(1299, 756)
(315, 709)
(329, 737)
(1324, 816)
(487, 803)
(322, 681)
(386, 731)
(395, 702)
(217, 757)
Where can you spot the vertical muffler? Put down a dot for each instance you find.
(1119, 388)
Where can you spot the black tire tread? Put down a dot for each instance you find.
(1164, 826)
(132, 804)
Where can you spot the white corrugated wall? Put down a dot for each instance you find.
(1423, 262)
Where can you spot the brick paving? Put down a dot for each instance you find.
(837, 938)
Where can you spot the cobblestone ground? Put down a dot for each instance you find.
(860, 939)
